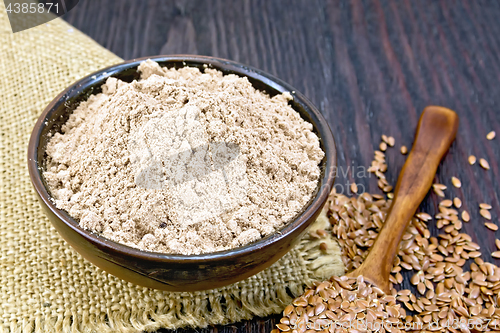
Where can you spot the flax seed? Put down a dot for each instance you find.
(485, 213)
(474, 254)
(456, 182)
(465, 216)
(484, 164)
(323, 247)
(472, 159)
(387, 188)
(484, 206)
(424, 216)
(491, 135)
(491, 226)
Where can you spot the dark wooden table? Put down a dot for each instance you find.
(370, 66)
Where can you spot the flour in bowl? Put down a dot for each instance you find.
(183, 161)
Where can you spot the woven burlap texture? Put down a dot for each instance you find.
(45, 285)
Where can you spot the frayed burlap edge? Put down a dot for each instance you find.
(192, 311)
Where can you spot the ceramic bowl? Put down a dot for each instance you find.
(171, 271)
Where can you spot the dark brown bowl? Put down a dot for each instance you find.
(169, 271)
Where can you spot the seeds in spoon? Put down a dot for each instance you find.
(439, 186)
(387, 189)
(321, 233)
(423, 216)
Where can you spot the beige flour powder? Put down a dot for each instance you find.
(183, 161)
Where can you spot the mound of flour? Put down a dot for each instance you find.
(183, 161)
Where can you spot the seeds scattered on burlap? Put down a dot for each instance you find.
(183, 161)
(424, 216)
(472, 159)
(321, 233)
(439, 192)
(485, 213)
(491, 226)
(314, 234)
(446, 291)
(456, 182)
(484, 164)
(404, 150)
(491, 135)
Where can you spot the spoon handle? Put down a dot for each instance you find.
(436, 131)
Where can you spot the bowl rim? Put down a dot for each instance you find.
(98, 77)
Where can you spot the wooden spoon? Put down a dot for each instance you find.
(436, 131)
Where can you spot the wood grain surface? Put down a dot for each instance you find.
(370, 66)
